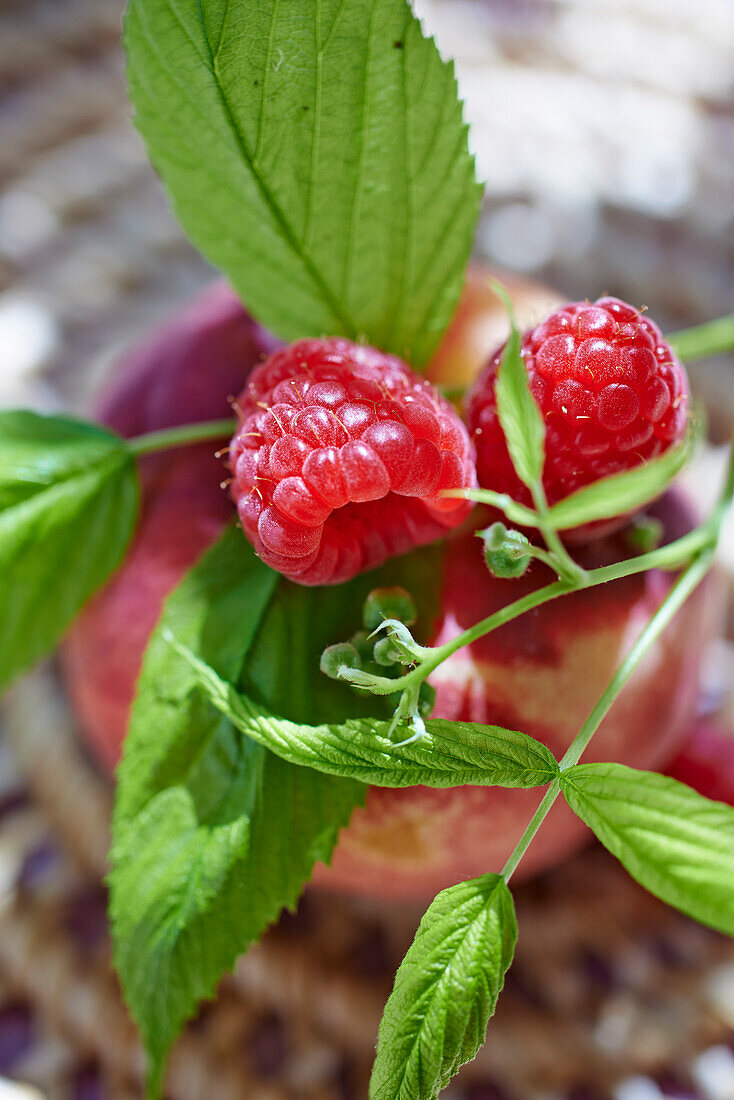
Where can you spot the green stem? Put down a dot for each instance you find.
(542, 555)
(568, 570)
(703, 542)
(518, 513)
(727, 494)
(712, 338)
(679, 593)
(533, 825)
(673, 602)
(182, 435)
(672, 556)
(566, 567)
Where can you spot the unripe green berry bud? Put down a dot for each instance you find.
(388, 603)
(426, 699)
(511, 557)
(385, 653)
(338, 658)
(363, 644)
(402, 640)
(494, 536)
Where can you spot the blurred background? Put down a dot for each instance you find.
(605, 132)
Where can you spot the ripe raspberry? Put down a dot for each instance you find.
(612, 392)
(340, 459)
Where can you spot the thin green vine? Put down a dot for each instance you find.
(181, 436)
(677, 596)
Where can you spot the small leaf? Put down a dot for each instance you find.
(673, 841)
(624, 492)
(68, 504)
(453, 753)
(520, 417)
(446, 990)
(317, 154)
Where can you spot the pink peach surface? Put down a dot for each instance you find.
(186, 371)
(541, 674)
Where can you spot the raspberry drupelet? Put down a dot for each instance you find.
(611, 390)
(340, 460)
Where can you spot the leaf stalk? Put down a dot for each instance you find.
(181, 436)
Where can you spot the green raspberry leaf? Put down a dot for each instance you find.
(218, 609)
(317, 154)
(624, 492)
(451, 755)
(673, 841)
(446, 990)
(68, 505)
(520, 417)
(213, 835)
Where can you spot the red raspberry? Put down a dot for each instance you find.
(612, 392)
(340, 460)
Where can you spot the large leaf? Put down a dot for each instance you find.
(676, 843)
(68, 504)
(213, 834)
(451, 754)
(445, 991)
(314, 151)
(217, 610)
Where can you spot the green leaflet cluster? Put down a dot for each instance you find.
(675, 842)
(356, 221)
